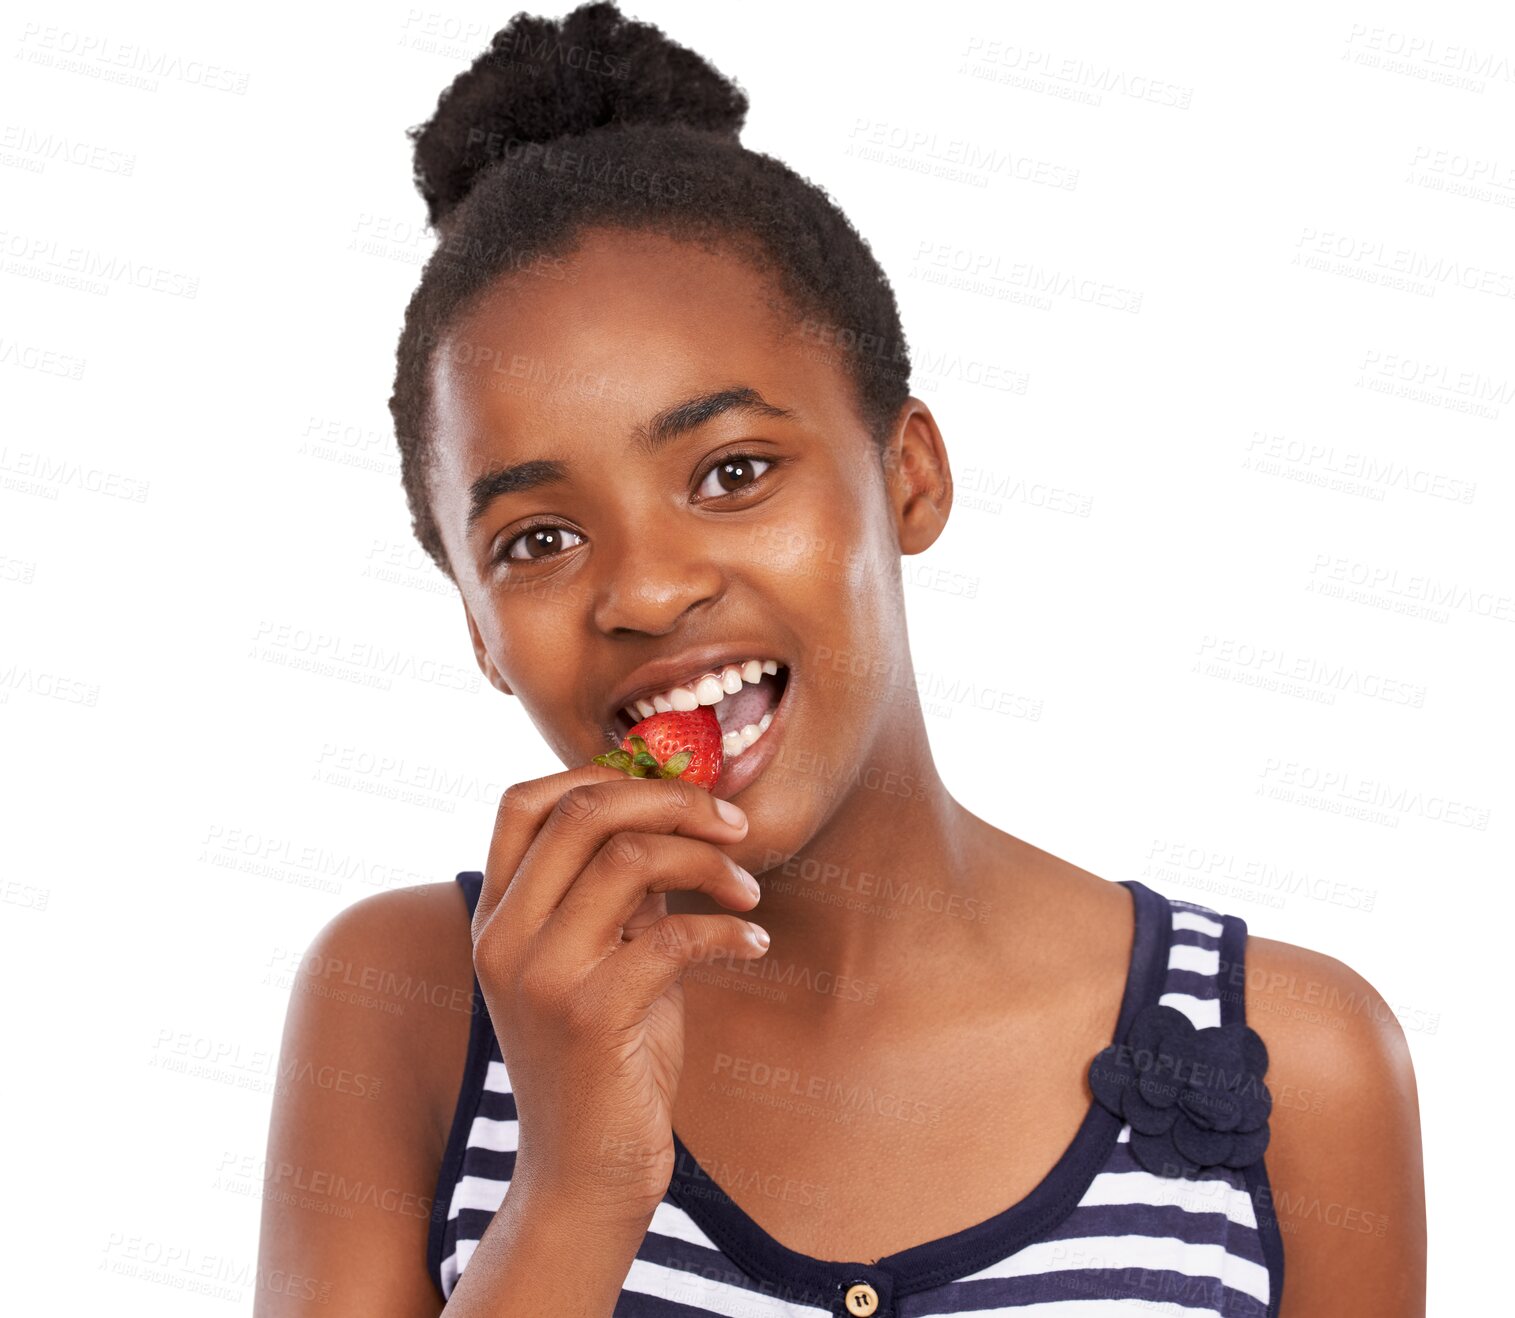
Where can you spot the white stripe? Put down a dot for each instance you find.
(1080, 1309)
(478, 1192)
(453, 1265)
(1246, 1276)
(668, 1219)
(465, 1252)
(712, 1296)
(1201, 960)
(1148, 1253)
(1199, 924)
(500, 1136)
(1193, 1196)
(496, 1079)
(1202, 1012)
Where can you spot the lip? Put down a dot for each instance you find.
(660, 674)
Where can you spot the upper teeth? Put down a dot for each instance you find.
(710, 689)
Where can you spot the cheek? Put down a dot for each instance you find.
(524, 630)
(820, 549)
(550, 697)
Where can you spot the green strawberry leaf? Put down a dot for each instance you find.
(638, 746)
(674, 765)
(645, 761)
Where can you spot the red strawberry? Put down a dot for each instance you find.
(678, 744)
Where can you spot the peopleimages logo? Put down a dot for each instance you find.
(369, 662)
(1341, 791)
(1227, 656)
(1337, 576)
(1376, 257)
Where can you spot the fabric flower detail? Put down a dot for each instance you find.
(1194, 1098)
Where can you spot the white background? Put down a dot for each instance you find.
(1147, 532)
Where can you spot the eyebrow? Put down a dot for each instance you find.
(673, 421)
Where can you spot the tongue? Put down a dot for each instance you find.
(735, 712)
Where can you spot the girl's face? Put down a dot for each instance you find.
(644, 472)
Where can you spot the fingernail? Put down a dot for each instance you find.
(749, 882)
(732, 814)
(759, 934)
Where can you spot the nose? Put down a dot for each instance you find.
(652, 581)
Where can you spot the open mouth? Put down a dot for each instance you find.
(743, 696)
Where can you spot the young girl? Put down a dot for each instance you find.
(653, 406)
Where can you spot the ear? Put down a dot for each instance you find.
(486, 664)
(919, 478)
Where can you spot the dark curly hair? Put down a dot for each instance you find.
(596, 120)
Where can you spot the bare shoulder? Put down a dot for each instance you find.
(1344, 1161)
(394, 972)
(396, 969)
(423, 929)
(1331, 1025)
(375, 1042)
(395, 914)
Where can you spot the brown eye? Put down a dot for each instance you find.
(732, 474)
(541, 542)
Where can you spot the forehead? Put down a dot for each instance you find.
(577, 352)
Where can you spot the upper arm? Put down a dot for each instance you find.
(1344, 1160)
(374, 1039)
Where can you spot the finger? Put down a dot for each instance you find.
(642, 971)
(611, 888)
(523, 809)
(586, 815)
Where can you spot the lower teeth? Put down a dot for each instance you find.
(734, 743)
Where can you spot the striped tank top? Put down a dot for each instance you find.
(1097, 1235)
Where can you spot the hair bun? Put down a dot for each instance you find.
(545, 78)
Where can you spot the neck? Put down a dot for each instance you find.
(898, 871)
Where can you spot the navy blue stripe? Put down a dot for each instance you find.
(494, 1166)
(475, 1067)
(1168, 1220)
(1193, 908)
(495, 1105)
(712, 1266)
(1122, 1160)
(633, 1304)
(1194, 938)
(1155, 1286)
(1192, 981)
(472, 1223)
